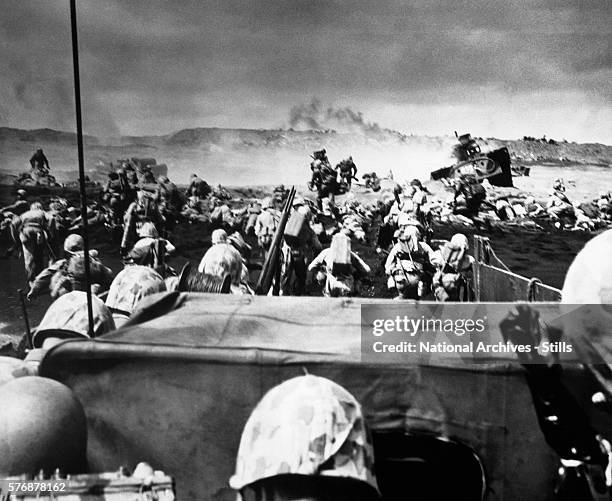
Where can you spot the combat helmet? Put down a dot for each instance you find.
(129, 286)
(307, 426)
(67, 318)
(148, 229)
(42, 427)
(74, 243)
(589, 277)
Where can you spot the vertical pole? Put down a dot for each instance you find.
(79, 124)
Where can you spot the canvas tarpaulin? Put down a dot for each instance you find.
(176, 390)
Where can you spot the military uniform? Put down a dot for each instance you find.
(34, 225)
(452, 280)
(198, 188)
(223, 259)
(137, 214)
(339, 285)
(265, 227)
(39, 162)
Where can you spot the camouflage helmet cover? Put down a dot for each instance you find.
(131, 285)
(74, 243)
(307, 425)
(67, 317)
(148, 229)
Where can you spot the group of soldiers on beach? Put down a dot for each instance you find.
(335, 244)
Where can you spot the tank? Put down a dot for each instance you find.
(494, 165)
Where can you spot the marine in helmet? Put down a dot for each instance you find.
(323, 179)
(408, 265)
(129, 287)
(67, 318)
(198, 187)
(266, 223)
(469, 195)
(221, 215)
(39, 162)
(224, 259)
(10, 221)
(299, 244)
(558, 206)
(453, 278)
(34, 227)
(306, 439)
(372, 181)
(143, 210)
(170, 201)
(42, 283)
(19, 206)
(115, 195)
(347, 171)
(151, 250)
(338, 268)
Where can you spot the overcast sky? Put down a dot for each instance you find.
(503, 68)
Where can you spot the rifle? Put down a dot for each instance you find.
(272, 261)
(25, 319)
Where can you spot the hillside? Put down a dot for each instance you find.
(258, 156)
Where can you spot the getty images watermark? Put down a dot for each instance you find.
(485, 333)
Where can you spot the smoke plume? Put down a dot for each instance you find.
(315, 115)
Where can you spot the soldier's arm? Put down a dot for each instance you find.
(390, 262)
(360, 264)
(43, 279)
(319, 261)
(258, 226)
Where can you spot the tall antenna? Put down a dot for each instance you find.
(79, 124)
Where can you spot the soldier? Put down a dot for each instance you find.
(39, 162)
(559, 207)
(223, 259)
(297, 253)
(306, 439)
(198, 187)
(339, 278)
(72, 245)
(372, 181)
(114, 197)
(408, 265)
(266, 223)
(280, 193)
(150, 250)
(469, 195)
(170, 200)
(19, 206)
(347, 171)
(253, 211)
(67, 318)
(129, 287)
(452, 280)
(33, 228)
(139, 212)
(221, 215)
(324, 178)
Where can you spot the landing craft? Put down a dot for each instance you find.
(494, 166)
